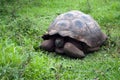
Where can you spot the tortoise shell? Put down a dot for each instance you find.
(79, 26)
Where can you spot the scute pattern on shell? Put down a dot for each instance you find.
(77, 25)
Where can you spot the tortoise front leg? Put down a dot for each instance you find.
(72, 51)
(48, 45)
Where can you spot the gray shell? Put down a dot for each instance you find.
(79, 26)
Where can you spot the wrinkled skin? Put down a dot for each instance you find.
(67, 46)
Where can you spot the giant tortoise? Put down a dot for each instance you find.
(73, 33)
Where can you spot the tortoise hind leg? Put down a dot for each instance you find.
(48, 45)
(72, 51)
(93, 49)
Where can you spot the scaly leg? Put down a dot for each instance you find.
(48, 45)
(72, 51)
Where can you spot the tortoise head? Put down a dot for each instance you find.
(59, 42)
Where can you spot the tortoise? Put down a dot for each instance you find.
(74, 34)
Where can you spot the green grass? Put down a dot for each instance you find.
(23, 22)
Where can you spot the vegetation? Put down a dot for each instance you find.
(23, 22)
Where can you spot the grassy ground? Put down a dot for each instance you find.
(22, 22)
